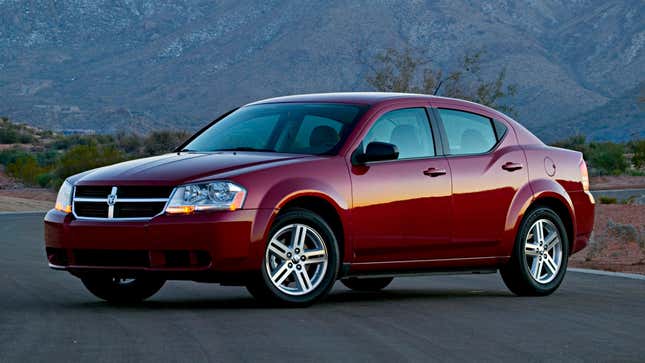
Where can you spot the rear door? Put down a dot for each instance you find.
(401, 207)
(488, 168)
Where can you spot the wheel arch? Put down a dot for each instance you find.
(562, 210)
(323, 206)
(544, 192)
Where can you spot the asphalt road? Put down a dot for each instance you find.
(47, 315)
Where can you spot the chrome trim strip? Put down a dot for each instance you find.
(122, 200)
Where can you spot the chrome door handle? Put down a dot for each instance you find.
(432, 172)
(511, 166)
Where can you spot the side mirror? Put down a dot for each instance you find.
(378, 151)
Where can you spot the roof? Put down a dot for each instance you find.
(346, 97)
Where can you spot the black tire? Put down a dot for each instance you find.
(122, 291)
(367, 284)
(517, 272)
(262, 287)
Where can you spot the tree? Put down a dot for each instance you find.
(85, 157)
(607, 158)
(408, 71)
(575, 142)
(159, 142)
(638, 148)
(26, 169)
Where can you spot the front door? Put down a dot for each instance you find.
(402, 208)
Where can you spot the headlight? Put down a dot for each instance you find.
(219, 195)
(64, 198)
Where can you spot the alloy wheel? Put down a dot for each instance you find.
(543, 251)
(296, 259)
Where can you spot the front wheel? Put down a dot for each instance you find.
(539, 259)
(300, 261)
(117, 289)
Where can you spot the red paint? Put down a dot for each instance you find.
(395, 215)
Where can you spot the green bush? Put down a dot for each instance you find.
(638, 148)
(26, 169)
(11, 155)
(85, 157)
(608, 200)
(160, 142)
(607, 158)
(45, 180)
(11, 133)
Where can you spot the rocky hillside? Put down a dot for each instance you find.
(127, 64)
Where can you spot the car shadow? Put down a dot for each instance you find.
(336, 298)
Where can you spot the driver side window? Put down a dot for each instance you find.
(408, 129)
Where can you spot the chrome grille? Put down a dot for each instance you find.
(119, 202)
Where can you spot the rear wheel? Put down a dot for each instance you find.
(117, 289)
(367, 284)
(539, 259)
(300, 261)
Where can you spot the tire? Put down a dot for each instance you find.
(289, 255)
(122, 291)
(530, 271)
(367, 284)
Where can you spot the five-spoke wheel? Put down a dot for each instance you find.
(296, 259)
(539, 259)
(543, 251)
(300, 260)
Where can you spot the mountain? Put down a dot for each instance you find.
(138, 65)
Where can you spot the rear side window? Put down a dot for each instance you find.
(467, 132)
(408, 129)
(500, 129)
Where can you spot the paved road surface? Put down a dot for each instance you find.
(47, 316)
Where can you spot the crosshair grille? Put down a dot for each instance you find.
(119, 202)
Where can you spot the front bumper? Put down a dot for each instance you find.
(206, 242)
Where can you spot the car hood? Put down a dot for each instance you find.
(178, 168)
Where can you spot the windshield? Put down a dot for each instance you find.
(299, 128)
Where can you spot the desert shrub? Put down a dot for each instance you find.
(160, 142)
(626, 233)
(608, 200)
(607, 158)
(11, 134)
(84, 157)
(11, 155)
(129, 143)
(638, 148)
(25, 169)
(576, 142)
(44, 180)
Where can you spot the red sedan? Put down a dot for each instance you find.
(287, 195)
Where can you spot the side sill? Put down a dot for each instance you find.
(419, 272)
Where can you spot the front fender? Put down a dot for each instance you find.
(290, 189)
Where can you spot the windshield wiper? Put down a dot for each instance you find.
(245, 148)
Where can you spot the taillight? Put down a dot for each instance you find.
(584, 176)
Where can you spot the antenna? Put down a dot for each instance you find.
(437, 89)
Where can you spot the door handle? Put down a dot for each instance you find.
(432, 172)
(511, 166)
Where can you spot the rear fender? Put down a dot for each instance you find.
(525, 198)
